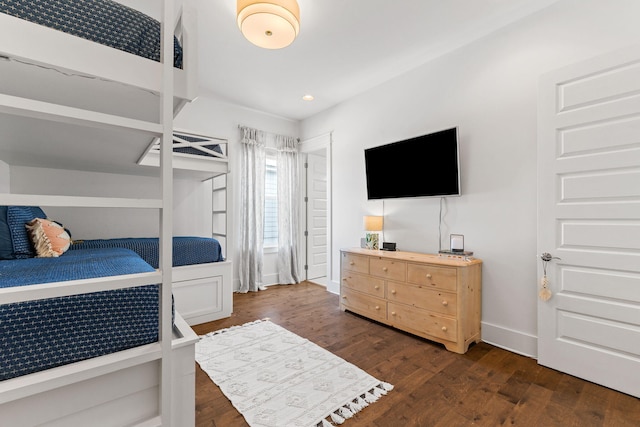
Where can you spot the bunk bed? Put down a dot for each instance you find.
(101, 106)
(202, 284)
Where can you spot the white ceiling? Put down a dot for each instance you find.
(344, 48)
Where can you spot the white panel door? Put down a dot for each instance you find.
(589, 217)
(316, 216)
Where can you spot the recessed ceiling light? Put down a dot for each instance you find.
(308, 97)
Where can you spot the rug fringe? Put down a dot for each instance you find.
(351, 408)
(231, 328)
(337, 419)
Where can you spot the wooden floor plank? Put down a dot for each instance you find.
(487, 386)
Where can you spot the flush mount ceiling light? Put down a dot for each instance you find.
(270, 24)
(308, 98)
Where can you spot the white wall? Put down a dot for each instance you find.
(488, 89)
(217, 118)
(192, 202)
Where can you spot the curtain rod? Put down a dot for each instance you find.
(269, 133)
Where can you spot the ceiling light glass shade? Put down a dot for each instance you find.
(270, 24)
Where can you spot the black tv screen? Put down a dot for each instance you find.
(424, 166)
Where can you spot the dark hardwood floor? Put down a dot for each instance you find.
(487, 386)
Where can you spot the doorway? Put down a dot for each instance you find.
(316, 209)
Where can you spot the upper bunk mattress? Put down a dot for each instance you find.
(42, 334)
(186, 250)
(102, 21)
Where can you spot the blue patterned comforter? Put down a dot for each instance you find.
(102, 21)
(186, 250)
(38, 335)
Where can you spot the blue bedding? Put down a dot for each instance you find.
(102, 21)
(186, 250)
(38, 335)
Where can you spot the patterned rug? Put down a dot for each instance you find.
(277, 379)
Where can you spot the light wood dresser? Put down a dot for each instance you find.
(434, 297)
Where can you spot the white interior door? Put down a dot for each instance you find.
(589, 216)
(317, 215)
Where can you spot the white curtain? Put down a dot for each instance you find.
(288, 208)
(252, 160)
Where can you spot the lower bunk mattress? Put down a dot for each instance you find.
(186, 250)
(42, 334)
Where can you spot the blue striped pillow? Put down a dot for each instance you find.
(17, 217)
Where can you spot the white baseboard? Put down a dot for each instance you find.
(268, 280)
(511, 340)
(333, 287)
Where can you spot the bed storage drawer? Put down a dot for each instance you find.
(194, 298)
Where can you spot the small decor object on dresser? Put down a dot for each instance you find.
(457, 242)
(388, 246)
(373, 225)
(430, 296)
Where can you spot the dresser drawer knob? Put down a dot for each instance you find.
(344, 297)
(384, 269)
(428, 275)
(376, 287)
(445, 303)
(444, 329)
(393, 291)
(377, 307)
(351, 263)
(393, 313)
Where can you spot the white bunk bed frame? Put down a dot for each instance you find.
(202, 292)
(150, 385)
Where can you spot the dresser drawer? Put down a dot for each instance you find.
(367, 284)
(422, 322)
(367, 305)
(422, 297)
(432, 276)
(389, 269)
(357, 263)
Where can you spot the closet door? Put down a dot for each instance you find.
(589, 217)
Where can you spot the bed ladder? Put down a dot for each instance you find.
(220, 210)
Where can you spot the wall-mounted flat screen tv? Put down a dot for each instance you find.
(424, 166)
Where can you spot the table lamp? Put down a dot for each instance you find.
(373, 225)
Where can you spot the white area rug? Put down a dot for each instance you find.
(277, 379)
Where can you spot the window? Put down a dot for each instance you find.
(270, 237)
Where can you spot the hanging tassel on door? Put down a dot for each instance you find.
(545, 293)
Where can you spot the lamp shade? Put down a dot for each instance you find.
(373, 223)
(270, 24)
